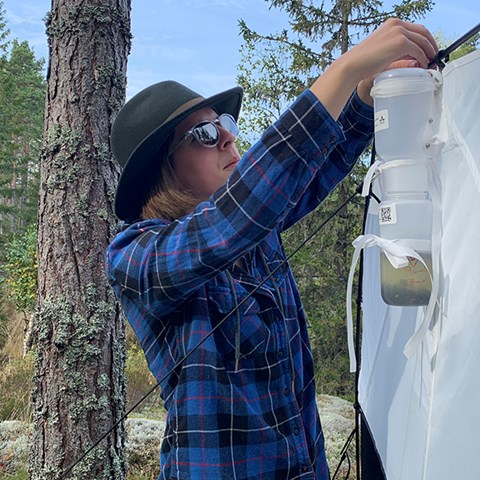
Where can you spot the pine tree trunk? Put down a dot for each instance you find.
(79, 388)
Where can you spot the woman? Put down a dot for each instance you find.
(200, 270)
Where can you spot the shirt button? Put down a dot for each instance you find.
(286, 392)
(296, 431)
(305, 469)
(281, 353)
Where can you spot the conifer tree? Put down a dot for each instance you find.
(22, 93)
(79, 387)
(4, 31)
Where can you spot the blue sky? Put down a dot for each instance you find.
(197, 42)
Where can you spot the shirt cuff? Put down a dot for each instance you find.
(359, 113)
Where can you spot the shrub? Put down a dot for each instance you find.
(4, 316)
(15, 388)
(21, 269)
(139, 378)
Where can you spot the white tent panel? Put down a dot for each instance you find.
(423, 411)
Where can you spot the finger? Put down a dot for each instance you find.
(411, 39)
(405, 63)
(423, 38)
(422, 30)
(420, 47)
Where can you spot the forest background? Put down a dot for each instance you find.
(274, 67)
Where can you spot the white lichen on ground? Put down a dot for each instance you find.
(144, 437)
(338, 421)
(14, 446)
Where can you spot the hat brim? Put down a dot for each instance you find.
(134, 183)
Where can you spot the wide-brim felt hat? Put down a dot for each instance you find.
(141, 128)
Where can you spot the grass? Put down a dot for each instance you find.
(23, 475)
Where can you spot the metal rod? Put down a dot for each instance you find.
(445, 53)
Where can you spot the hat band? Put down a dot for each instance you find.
(183, 108)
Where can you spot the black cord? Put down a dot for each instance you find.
(227, 316)
(344, 455)
(444, 54)
(358, 410)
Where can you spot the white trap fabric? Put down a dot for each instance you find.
(424, 411)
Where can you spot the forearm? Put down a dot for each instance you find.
(334, 87)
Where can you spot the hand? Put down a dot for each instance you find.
(396, 44)
(365, 86)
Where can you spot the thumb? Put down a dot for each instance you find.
(404, 63)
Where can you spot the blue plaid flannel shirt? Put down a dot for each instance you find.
(242, 405)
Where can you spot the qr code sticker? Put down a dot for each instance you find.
(387, 214)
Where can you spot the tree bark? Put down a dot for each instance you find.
(79, 388)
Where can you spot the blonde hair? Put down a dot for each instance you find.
(166, 200)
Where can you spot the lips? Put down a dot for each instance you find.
(232, 164)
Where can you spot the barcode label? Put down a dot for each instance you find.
(381, 120)
(387, 214)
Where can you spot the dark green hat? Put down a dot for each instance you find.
(141, 128)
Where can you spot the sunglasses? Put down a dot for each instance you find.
(207, 133)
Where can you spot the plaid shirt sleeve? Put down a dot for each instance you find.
(357, 128)
(163, 263)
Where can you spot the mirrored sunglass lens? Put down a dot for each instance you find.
(228, 123)
(206, 134)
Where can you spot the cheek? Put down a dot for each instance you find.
(201, 176)
(184, 171)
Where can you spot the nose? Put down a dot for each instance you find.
(226, 138)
